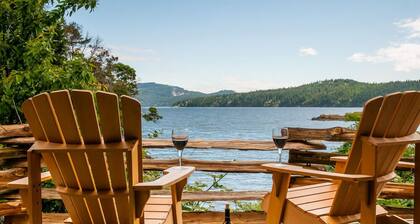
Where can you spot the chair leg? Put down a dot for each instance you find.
(368, 194)
(34, 204)
(176, 192)
(277, 199)
(141, 200)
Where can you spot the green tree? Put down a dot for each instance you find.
(33, 52)
(40, 52)
(113, 76)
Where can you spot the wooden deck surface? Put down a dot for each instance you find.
(188, 217)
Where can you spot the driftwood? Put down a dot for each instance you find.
(328, 134)
(207, 165)
(390, 191)
(25, 141)
(12, 153)
(329, 117)
(15, 130)
(311, 157)
(9, 175)
(206, 144)
(235, 144)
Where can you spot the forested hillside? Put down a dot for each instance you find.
(155, 94)
(328, 93)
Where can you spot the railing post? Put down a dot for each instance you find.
(34, 188)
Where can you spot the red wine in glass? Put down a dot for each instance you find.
(280, 136)
(180, 140)
(280, 142)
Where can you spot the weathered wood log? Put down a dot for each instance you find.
(9, 175)
(235, 144)
(12, 174)
(328, 134)
(219, 217)
(207, 165)
(12, 153)
(15, 130)
(329, 117)
(405, 213)
(206, 144)
(11, 208)
(17, 141)
(390, 191)
(398, 190)
(311, 157)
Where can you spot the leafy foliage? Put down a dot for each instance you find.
(397, 203)
(198, 186)
(40, 52)
(247, 206)
(353, 116)
(152, 115)
(339, 93)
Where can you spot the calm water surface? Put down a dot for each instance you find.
(237, 123)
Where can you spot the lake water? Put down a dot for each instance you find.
(237, 123)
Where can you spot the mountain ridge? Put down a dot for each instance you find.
(327, 93)
(156, 94)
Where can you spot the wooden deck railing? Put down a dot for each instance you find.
(17, 138)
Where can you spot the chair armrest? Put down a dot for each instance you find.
(23, 182)
(401, 164)
(283, 168)
(172, 176)
(410, 139)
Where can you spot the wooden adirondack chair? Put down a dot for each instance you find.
(387, 126)
(95, 162)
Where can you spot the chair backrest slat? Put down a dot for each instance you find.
(395, 115)
(109, 117)
(386, 115)
(64, 111)
(131, 111)
(32, 118)
(86, 116)
(70, 117)
(42, 103)
(131, 123)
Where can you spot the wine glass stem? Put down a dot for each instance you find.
(180, 157)
(280, 151)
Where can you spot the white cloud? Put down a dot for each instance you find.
(307, 51)
(412, 26)
(134, 54)
(405, 56)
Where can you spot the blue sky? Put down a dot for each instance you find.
(244, 45)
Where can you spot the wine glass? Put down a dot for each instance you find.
(180, 140)
(280, 136)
